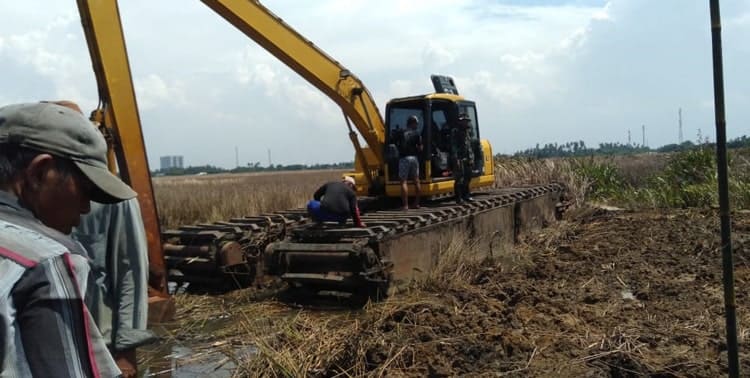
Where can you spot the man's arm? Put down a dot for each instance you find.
(355, 210)
(57, 333)
(320, 192)
(129, 251)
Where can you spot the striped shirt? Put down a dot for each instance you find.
(114, 237)
(45, 328)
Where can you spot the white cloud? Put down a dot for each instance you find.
(525, 61)
(602, 14)
(506, 94)
(47, 62)
(266, 77)
(538, 73)
(153, 91)
(436, 55)
(739, 20)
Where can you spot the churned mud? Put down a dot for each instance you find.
(602, 293)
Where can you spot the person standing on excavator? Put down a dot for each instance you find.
(408, 163)
(462, 158)
(52, 164)
(335, 201)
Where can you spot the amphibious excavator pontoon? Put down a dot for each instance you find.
(394, 247)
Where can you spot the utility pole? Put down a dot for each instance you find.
(269, 157)
(679, 122)
(236, 157)
(629, 142)
(643, 132)
(723, 180)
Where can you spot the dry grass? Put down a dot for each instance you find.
(196, 199)
(514, 172)
(294, 349)
(292, 342)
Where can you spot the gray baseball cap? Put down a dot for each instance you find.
(63, 132)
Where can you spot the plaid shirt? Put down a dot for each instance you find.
(45, 328)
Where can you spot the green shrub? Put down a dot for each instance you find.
(605, 181)
(682, 179)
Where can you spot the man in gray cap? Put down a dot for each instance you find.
(115, 239)
(52, 163)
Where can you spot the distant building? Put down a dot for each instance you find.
(171, 162)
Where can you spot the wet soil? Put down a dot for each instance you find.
(600, 294)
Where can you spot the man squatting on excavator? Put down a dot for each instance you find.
(335, 201)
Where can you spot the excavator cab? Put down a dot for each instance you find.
(438, 115)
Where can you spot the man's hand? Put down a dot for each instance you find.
(127, 363)
(157, 280)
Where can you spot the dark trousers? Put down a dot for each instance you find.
(461, 177)
(318, 214)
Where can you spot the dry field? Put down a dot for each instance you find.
(194, 199)
(600, 294)
(603, 293)
(185, 200)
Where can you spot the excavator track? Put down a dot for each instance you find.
(225, 255)
(395, 247)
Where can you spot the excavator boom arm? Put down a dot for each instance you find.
(106, 43)
(315, 66)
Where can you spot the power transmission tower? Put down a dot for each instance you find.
(629, 142)
(269, 157)
(236, 157)
(679, 120)
(643, 132)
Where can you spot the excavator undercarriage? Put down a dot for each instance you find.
(396, 246)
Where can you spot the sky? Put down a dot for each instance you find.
(540, 71)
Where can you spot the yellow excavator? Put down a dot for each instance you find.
(375, 173)
(393, 248)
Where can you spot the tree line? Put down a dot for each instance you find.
(250, 167)
(568, 149)
(579, 148)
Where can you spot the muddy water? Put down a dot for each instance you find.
(197, 356)
(212, 349)
(176, 360)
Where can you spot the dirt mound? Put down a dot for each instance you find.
(436, 336)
